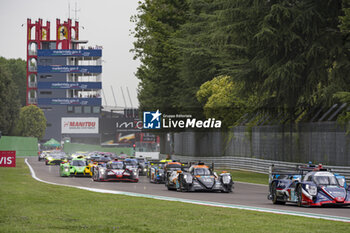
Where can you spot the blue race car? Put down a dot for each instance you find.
(308, 186)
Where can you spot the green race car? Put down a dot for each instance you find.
(74, 167)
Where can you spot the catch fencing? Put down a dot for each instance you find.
(319, 142)
(24, 146)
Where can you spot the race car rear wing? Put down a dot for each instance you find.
(298, 170)
(211, 166)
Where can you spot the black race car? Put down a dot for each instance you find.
(200, 177)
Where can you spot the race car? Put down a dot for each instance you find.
(55, 158)
(75, 167)
(156, 172)
(307, 186)
(115, 171)
(42, 155)
(142, 162)
(100, 159)
(200, 177)
(169, 168)
(80, 154)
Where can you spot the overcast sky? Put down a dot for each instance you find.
(105, 22)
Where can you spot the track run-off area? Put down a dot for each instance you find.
(244, 196)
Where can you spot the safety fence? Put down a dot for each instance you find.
(252, 164)
(319, 142)
(24, 146)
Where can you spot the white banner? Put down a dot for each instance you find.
(79, 125)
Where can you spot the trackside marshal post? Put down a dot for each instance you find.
(7, 158)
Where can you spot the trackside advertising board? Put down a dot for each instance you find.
(85, 125)
(7, 158)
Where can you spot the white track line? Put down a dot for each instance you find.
(207, 203)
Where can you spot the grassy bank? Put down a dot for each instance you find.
(246, 176)
(27, 205)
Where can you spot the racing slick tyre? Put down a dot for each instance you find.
(274, 195)
(227, 189)
(299, 196)
(180, 188)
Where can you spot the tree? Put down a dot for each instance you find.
(9, 103)
(31, 122)
(286, 51)
(342, 66)
(292, 54)
(198, 52)
(17, 69)
(156, 23)
(221, 100)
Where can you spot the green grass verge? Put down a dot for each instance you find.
(27, 205)
(246, 176)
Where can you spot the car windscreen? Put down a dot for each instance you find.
(325, 180)
(201, 172)
(104, 159)
(130, 163)
(78, 163)
(119, 165)
(141, 160)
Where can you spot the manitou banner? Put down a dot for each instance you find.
(7, 158)
(73, 125)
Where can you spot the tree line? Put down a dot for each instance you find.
(234, 58)
(16, 119)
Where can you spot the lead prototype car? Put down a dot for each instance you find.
(200, 177)
(308, 186)
(115, 171)
(74, 167)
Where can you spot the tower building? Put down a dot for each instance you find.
(64, 80)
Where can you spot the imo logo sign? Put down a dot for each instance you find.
(151, 120)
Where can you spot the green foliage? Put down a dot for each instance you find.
(9, 103)
(197, 61)
(17, 70)
(156, 23)
(221, 100)
(31, 122)
(293, 55)
(345, 19)
(343, 96)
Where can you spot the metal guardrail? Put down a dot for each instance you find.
(254, 165)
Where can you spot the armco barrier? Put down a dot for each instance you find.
(252, 164)
(24, 146)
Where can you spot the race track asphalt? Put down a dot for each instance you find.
(243, 193)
